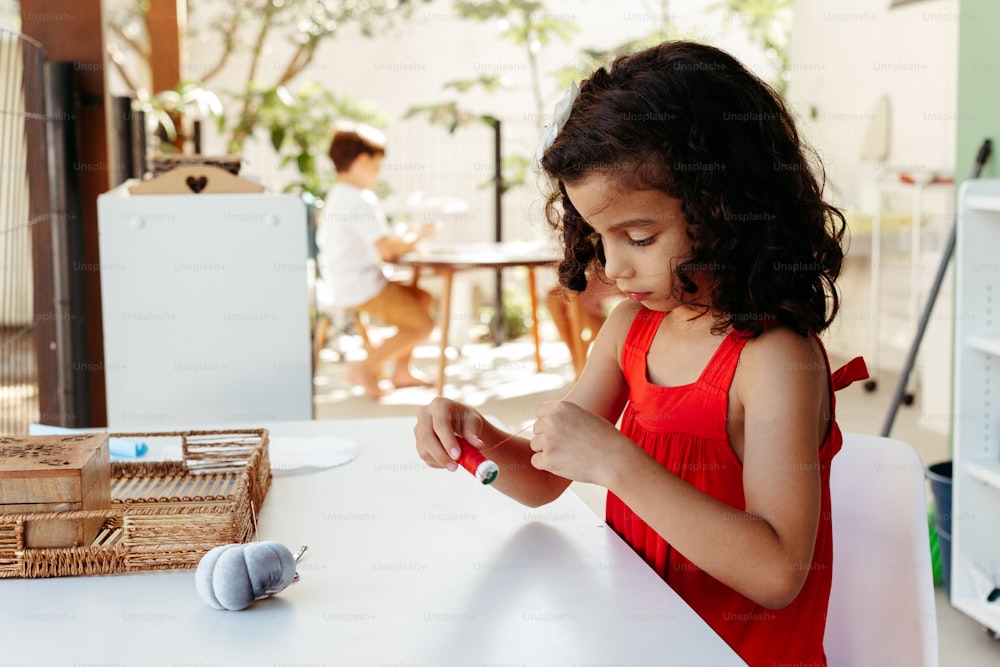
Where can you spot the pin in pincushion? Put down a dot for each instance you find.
(232, 576)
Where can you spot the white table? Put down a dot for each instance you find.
(445, 261)
(406, 566)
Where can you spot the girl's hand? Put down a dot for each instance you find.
(437, 424)
(576, 444)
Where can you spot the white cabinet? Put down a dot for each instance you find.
(975, 570)
(205, 308)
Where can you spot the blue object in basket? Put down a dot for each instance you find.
(120, 448)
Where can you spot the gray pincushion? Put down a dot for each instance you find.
(232, 576)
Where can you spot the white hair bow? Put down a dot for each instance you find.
(559, 117)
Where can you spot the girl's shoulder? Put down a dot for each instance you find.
(781, 354)
(611, 338)
(625, 310)
(621, 318)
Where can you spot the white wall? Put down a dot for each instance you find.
(845, 55)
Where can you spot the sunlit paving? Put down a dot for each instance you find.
(478, 373)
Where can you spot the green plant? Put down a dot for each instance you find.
(163, 109)
(257, 95)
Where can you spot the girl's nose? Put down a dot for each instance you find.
(615, 264)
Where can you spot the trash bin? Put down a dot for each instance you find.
(939, 475)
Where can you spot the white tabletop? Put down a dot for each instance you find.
(483, 254)
(406, 566)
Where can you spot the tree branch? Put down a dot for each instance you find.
(303, 56)
(138, 47)
(228, 41)
(118, 61)
(247, 112)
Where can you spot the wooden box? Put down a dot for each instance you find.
(56, 473)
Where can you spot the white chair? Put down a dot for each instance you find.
(882, 609)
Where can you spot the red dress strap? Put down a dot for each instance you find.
(722, 367)
(640, 336)
(849, 373)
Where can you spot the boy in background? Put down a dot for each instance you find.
(353, 238)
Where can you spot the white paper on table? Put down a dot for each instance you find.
(290, 454)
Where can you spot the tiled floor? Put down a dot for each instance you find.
(502, 382)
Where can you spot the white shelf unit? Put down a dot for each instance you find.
(975, 558)
(205, 306)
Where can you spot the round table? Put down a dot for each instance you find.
(446, 260)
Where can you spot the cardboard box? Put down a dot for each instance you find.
(56, 473)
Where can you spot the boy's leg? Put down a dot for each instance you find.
(416, 317)
(408, 308)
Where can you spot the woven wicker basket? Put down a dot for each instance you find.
(164, 514)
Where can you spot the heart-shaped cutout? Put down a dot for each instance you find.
(197, 184)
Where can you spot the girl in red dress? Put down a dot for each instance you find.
(680, 176)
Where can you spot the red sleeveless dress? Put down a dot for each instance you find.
(690, 440)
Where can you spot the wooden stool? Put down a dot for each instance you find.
(322, 330)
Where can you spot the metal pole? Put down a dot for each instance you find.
(499, 321)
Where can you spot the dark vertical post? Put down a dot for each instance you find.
(196, 136)
(71, 31)
(69, 268)
(121, 140)
(499, 320)
(138, 143)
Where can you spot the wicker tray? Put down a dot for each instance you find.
(164, 514)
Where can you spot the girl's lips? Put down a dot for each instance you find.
(638, 296)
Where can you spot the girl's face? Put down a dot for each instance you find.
(644, 237)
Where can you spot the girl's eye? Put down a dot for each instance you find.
(646, 240)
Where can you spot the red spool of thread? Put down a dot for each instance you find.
(476, 463)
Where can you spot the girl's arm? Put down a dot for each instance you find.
(764, 552)
(601, 391)
(439, 425)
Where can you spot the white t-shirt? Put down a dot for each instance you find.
(350, 223)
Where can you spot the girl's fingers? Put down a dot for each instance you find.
(471, 434)
(446, 418)
(428, 436)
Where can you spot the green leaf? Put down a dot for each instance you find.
(304, 161)
(277, 138)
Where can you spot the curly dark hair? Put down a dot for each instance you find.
(689, 120)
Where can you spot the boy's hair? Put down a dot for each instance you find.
(689, 120)
(351, 140)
